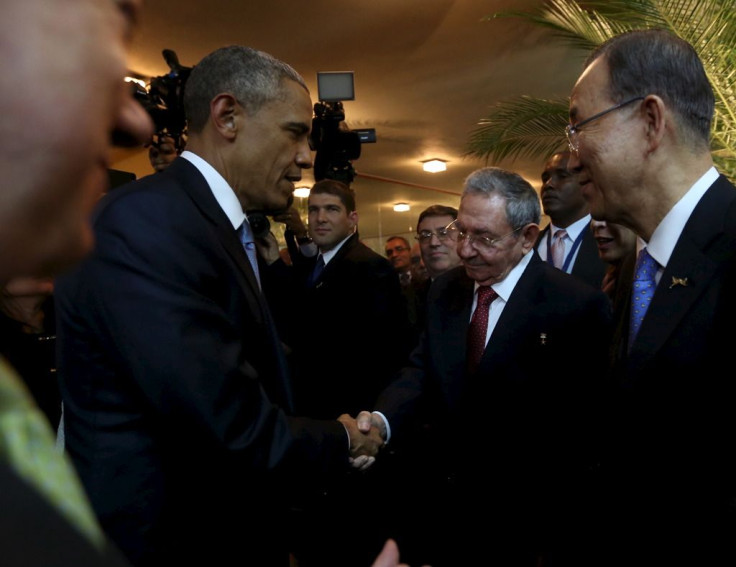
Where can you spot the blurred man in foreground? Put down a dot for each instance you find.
(54, 152)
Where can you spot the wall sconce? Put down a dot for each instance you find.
(301, 192)
(434, 165)
(401, 207)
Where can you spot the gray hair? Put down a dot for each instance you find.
(644, 62)
(251, 76)
(522, 201)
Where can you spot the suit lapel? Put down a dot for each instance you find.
(515, 317)
(451, 352)
(195, 186)
(691, 268)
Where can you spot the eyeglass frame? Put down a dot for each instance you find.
(428, 234)
(572, 130)
(490, 243)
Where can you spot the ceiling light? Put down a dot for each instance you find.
(301, 192)
(140, 82)
(401, 207)
(434, 165)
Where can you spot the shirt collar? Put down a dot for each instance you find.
(330, 254)
(221, 190)
(507, 284)
(574, 230)
(665, 236)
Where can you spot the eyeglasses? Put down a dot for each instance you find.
(395, 250)
(441, 234)
(572, 130)
(482, 243)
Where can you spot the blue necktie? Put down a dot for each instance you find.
(642, 291)
(319, 267)
(245, 234)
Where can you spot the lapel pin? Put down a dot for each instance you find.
(542, 339)
(678, 281)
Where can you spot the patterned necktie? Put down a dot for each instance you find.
(27, 445)
(319, 267)
(642, 291)
(558, 248)
(245, 235)
(479, 327)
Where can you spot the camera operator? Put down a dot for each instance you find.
(162, 153)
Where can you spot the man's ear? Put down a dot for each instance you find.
(353, 216)
(655, 115)
(529, 236)
(224, 111)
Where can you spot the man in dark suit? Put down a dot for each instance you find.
(639, 132)
(353, 306)
(568, 210)
(174, 381)
(525, 404)
(351, 337)
(438, 253)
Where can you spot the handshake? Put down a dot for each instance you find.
(367, 435)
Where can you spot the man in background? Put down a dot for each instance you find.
(438, 253)
(398, 252)
(349, 338)
(566, 243)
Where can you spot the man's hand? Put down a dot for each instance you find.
(364, 446)
(389, 556)
(293, 222)
(366, 420)
(268, 248)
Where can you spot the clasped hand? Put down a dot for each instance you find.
(367, 435)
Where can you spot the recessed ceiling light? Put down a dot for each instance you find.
(301, 192)
(401, 207)
(434, 165)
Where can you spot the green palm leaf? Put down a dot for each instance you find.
(524, 127)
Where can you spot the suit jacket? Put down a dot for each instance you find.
(528, 408)
(588, 265)
(175, 384)
(672, 418)
(351, 331)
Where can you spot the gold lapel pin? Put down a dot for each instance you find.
(678, 281)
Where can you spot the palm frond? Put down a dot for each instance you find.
(527, 127)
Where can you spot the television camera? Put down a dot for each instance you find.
(336, 144)
(163, 99)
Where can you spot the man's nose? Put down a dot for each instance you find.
(304, 155)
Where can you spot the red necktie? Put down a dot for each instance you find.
(479, 326)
